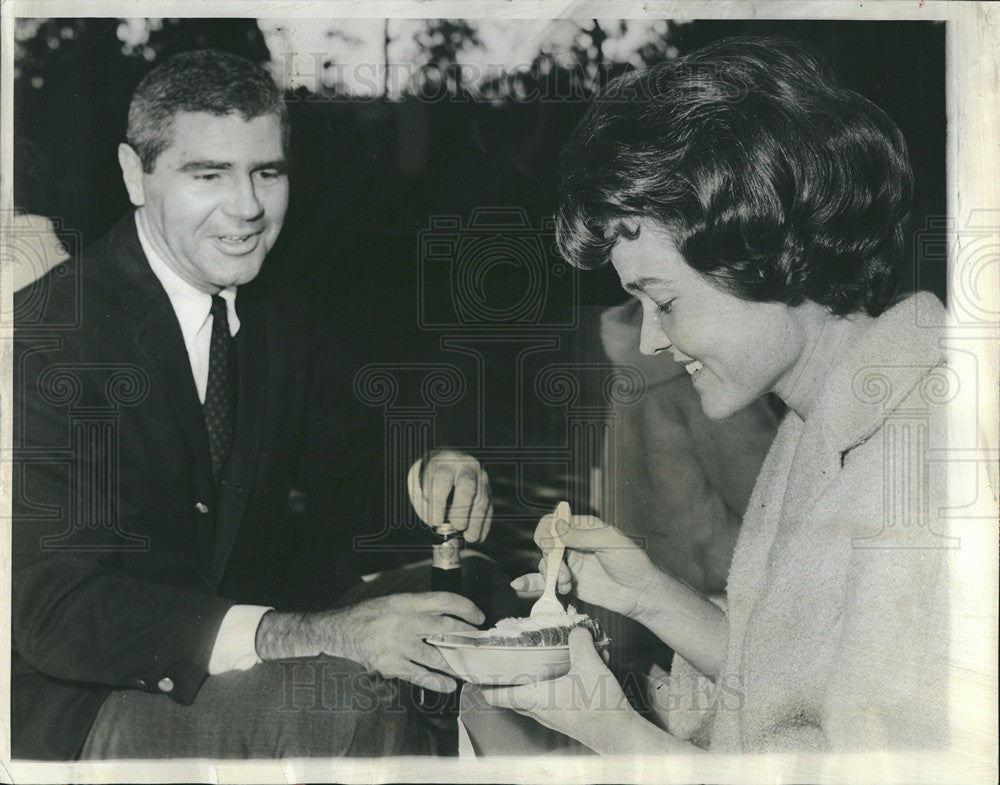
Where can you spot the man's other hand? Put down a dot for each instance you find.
(444, 474)
(384, 634)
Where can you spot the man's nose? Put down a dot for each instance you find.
(243, 202)
(652, 339)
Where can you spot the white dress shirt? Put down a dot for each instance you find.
(235, 642)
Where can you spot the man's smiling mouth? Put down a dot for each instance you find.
(239, 243)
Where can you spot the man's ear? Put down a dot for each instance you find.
(131, 166)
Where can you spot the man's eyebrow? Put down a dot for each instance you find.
(639, 284)
(195, 166)
(192, 166)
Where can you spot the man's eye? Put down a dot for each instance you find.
(269, 174)
(207, 176)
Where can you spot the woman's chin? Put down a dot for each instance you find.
(718, 405)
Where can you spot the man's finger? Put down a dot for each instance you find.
(487, 522)
(478, 524)
(462, 500)
(435, 682)
(436, 625)
(427, 656)
(445, 602)
(437, 493)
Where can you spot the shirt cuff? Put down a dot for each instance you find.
(235, 645)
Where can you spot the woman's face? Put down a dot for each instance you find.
(735, 350)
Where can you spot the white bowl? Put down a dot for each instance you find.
(504, 665)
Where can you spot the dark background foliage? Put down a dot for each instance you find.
(369, 175)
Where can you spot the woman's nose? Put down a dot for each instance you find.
(652, 339)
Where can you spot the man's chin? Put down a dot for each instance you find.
(240, 278)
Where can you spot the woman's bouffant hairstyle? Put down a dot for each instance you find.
(773, 180)
(201, 80)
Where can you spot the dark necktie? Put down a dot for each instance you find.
(220, 393)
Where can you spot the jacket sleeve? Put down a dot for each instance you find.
(77, 614)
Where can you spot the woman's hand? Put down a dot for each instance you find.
(605, 567)
(586, 704)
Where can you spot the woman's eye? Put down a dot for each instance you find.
(665, 307)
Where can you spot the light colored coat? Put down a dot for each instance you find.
(838, 591)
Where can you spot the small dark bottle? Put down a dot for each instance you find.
(446, 575)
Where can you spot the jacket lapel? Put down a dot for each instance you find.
(241, 468)
(159, 343)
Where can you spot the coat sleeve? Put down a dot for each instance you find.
(77, 615)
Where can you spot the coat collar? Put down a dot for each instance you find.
(878, 371)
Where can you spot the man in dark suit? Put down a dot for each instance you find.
(167, 598)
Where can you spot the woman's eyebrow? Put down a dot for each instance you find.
(639, 284)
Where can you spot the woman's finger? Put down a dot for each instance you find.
(582, 652)
(563, 583)
(520, 699)
(530, 585)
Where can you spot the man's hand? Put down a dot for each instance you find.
(384, 634)
(447, 473)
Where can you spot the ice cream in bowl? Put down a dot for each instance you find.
(516, 650)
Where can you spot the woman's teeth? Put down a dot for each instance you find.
(693, 367)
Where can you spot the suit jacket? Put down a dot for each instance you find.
(126, 553)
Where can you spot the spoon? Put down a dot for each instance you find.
(548, 604)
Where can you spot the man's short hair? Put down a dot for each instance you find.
(773, 180)
(202, 80)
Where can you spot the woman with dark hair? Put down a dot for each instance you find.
(755, 209)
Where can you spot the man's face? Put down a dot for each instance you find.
(216, 198)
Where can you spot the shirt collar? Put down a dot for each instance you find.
(191, 305)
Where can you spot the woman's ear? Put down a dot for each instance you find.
(131, 166)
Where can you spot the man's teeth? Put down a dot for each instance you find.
(236, 238)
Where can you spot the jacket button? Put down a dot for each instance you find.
(202, 508)
(166, 684)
